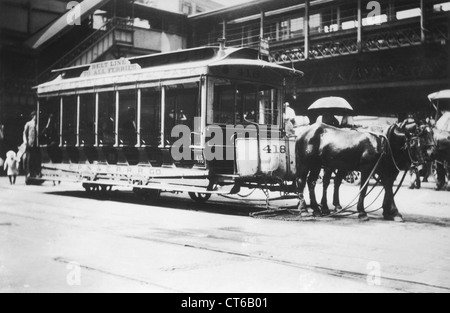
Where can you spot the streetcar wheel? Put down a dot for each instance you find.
(200, 197)
(147, 194)
(32, 181)
(106, 189)
(88, 187)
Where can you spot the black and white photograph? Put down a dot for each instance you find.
(205, 149)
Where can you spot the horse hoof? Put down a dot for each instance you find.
(305, 214)
(364, 217)
(399, 219)
(326, 212)
(337, 208)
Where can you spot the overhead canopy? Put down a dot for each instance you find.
(331, 104)
(63, 24)
(440, 95)
(252, 8)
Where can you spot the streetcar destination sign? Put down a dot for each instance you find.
(111, 67)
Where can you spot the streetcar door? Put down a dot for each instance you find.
(183, 107)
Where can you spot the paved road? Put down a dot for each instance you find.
(58, 239)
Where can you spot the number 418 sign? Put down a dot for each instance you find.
(275, 149)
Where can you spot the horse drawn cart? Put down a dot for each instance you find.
(205, 121)
(440, 102)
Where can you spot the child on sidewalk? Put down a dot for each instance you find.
(11, 166)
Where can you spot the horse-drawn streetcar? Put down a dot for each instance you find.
(203, 121)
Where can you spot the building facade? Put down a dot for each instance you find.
(37, 37)
(384, 56)
(186, 7)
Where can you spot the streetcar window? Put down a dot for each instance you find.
(49, 121)
(247, 105)
(69, 130)
(107, 118)
(87, 119)
(224, 111)
(182, 106)
(128, 117)
(268, 106)
(244, 103)
(151, 117)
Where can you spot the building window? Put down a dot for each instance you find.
(187, 8)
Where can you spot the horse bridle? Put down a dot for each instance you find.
(416, 140)
(410, 142)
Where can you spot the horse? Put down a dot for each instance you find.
(441, 155)
(324, 146)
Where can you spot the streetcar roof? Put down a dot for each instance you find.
(232, 63)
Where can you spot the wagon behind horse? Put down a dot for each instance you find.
(441, 104)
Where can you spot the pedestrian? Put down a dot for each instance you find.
(331, 120)
(12, 167)
(30, 142)
(414, 175)
(2, 137)
(289, 117)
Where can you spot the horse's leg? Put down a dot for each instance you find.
(361, 210)
(326, 184)
(312, 181)
(441, 177)
(390, 210)
(447, 180)
(337, 185)
(302, 175)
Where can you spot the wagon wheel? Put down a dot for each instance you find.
(353, 178)
(200, 197)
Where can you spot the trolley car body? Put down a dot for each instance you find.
(114, 123)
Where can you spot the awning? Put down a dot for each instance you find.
(440, 95)
(87, 7)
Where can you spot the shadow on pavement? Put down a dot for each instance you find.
(243, 208)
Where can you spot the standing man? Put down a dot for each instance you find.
(2, 137)
(289, 119)
(30, 142)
